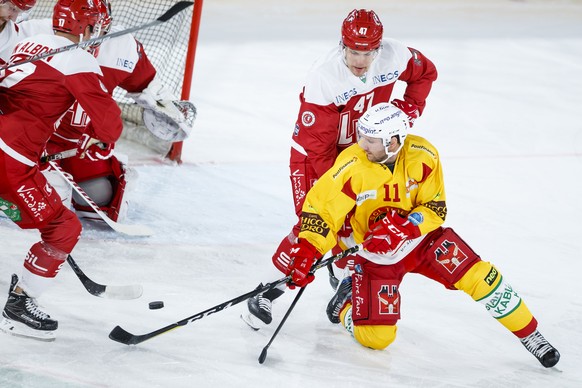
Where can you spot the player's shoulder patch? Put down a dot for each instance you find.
(421, 145)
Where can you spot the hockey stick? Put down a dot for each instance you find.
(130, 230)
(122, 336)
(59, 155)
(104, 291)
(170, 13)
(263, 355)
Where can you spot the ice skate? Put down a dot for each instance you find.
(259, 308)
(341, 297)
(537, 345)
(22, 316)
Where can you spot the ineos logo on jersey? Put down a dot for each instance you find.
(125, 63)
(384, 78)
(307, 119)
(343, 97)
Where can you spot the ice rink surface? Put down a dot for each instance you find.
(505, 115)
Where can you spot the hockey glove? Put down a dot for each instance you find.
(409, 109)
(93, 149)
(387, 235)
(159, 98)
(303, 255)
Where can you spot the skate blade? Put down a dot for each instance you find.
(252, 322)
(18, 329)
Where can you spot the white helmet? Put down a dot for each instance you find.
(383, 121)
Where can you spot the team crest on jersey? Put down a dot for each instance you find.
(389, 300)
(449, 255)
(307, 119)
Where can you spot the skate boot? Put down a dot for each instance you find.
(22, 316)
(259, 314)
(537, 345)
(342, 296)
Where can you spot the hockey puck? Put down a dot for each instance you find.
(156, 305)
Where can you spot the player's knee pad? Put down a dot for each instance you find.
(485, 284)
(63, 231)
(376, 337)
(479, 280)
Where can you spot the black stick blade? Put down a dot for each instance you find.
(176, 8)
(263, 355)
(120, 335)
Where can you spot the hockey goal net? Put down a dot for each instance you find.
(170, 47)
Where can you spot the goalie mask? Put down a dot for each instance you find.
(385, 121)
(15, 10)
(74, 16)
(23, 5)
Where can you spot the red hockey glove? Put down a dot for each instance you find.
(93, 149)
(411, 110)
(388, 234)
(303, 255)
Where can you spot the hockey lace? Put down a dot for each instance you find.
(536, 344)
(265, 304)
(33, 309)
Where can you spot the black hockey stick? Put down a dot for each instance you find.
(170, 13)
(263, 355)
(103, 291)
(122, 336)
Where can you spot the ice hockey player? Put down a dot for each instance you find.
(390, 186)
(124, 64)
(32, 97)
(361, 72)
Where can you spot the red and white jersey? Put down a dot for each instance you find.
(124, 64)
(333, 99)
(15, 32)
(44, 90)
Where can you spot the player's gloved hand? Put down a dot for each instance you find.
(303, 255)
(411, 110)
(388, 234)
(93, 149)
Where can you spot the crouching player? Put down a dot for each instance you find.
(392, 185)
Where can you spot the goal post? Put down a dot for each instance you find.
(175, 152)
(171, 47)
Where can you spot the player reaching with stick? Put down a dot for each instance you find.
(390, 186)
(33, 96)
(340, 87)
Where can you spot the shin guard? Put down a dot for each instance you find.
(485, 284)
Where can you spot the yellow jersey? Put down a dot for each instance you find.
(364, 191)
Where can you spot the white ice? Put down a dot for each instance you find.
(505, 114)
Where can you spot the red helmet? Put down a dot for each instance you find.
(362, 30)
(73, 16)
(24, 5)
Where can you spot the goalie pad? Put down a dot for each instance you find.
(104, 181)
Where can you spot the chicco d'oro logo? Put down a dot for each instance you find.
(307, 119)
